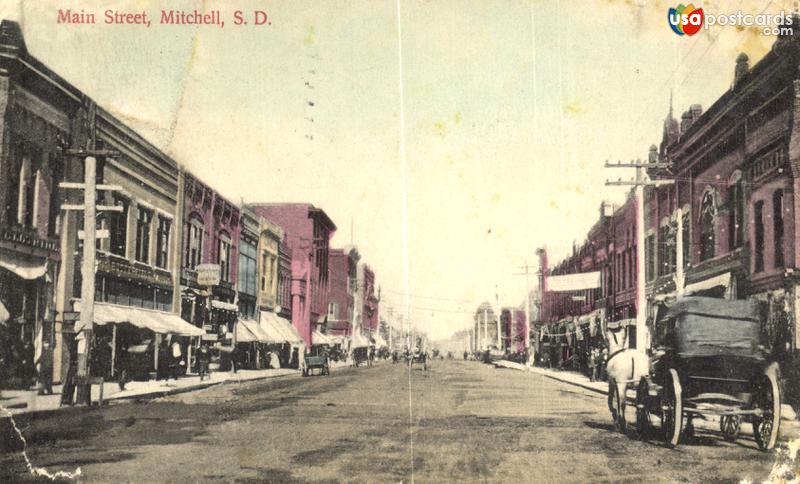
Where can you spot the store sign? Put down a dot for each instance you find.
(208, 274)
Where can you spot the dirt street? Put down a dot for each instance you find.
(458, 422)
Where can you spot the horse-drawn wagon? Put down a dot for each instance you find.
(319, 363)
(709, 364)
(418, 357)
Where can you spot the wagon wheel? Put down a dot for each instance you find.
(730, 425)
(642, 409)
(672, 409)
(768, 399)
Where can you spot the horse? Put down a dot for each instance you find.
(624, 365)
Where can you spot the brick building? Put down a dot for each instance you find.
(308, 232)
(211, 232)
(343, 285)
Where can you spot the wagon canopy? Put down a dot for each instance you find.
(709, 327)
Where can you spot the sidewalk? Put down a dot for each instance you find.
(26, 401)
(790, 426)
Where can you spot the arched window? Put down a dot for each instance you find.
(708, 216)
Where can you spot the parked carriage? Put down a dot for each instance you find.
(710, 364)
(319, 363)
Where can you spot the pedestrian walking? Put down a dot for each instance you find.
(203, 359)
(162, 372)
(45, 379)
(68, 384)
(177, 360)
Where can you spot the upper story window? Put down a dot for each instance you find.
(162, 242)
(143, 235)
(758, 243)
(649, 256)
(777, 226)
(736, 212)
(248, 267)
(333, 310)
(118, 227)
(194, 245)
(708, 215)
(224, 257)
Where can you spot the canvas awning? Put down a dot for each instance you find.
(23, 267)
(359, 341)
(318, 338)
(723, 280)
(244, 334)
(255, 328)
(155, 321)
(279, 329)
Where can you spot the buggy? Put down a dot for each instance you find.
(317, 362)
(710, 363)
(418, 357)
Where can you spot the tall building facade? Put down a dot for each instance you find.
(308, 232)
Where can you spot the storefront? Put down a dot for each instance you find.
(138, 343)
(292, 347)
(26, 319)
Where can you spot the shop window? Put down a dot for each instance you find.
(143, 235)
(777, 226)
(118, 227)
(758, 216)
(162, 242)
(708, 214)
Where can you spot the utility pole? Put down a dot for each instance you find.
(497, 314)
(90, 235)
(639, 183)
(527, 272)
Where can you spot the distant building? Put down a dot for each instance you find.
(269, 266)
(484, 328)
(248, 282)
(343, 285)
(369, 300)
(308, 232)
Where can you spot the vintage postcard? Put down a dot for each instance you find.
(399, 241)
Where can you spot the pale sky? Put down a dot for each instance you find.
(510, 109)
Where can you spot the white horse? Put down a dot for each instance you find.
(625, 365)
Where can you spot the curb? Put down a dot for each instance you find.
(201, 386)
(142, 396)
